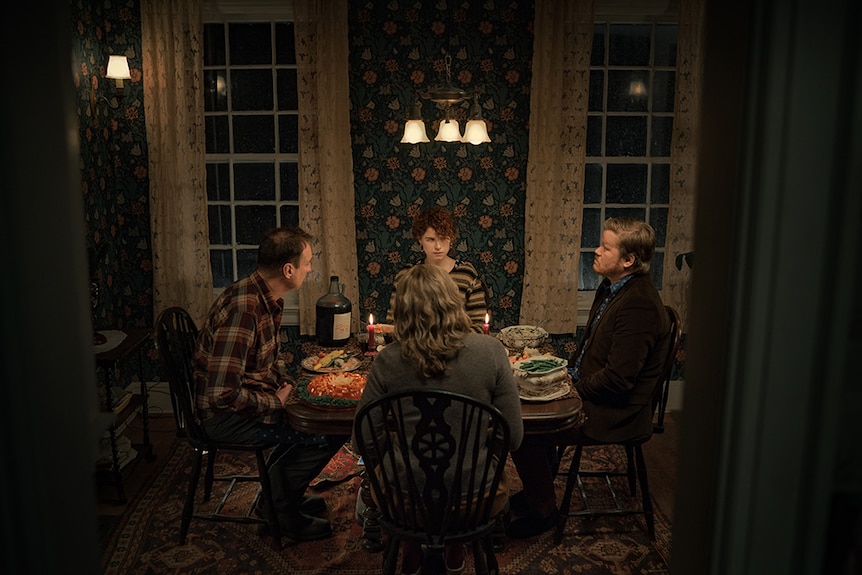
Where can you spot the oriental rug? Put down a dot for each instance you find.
(145, 540)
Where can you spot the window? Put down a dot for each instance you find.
(629, 128)
(251, 117)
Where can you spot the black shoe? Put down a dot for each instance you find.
(312, 505)
(531, 524)
(518, 503)
(305, 528)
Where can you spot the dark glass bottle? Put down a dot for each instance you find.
(333, 316)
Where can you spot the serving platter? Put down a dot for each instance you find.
(546, 393)
(350, 364)
(328, 401)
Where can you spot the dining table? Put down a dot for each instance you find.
(551, 416)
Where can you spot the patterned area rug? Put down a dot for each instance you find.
(146, 538)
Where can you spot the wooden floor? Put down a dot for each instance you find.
(660, 453)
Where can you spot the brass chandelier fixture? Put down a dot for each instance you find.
(475, 132)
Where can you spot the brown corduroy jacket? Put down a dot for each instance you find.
(623, 361)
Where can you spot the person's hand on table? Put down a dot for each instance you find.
(283, 392)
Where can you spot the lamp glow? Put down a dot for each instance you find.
(118, 70)
(448, 132)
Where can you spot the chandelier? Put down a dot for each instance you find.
(475, 132)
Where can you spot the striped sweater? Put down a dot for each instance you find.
(469, 283)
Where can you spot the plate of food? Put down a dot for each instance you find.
(333, 362)
(341, 389)
(539, 365)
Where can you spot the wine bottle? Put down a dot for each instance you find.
(333, 316)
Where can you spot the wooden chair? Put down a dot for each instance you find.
(175, 340)
(434, 461)
(635, 471)
(663, 389)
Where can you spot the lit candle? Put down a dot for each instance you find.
(372, 341)
(487, 326)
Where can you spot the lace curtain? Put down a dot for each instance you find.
(555, 167)
(173, 106)
(325, 160)
(683, 168)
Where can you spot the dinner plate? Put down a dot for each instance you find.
(550, 393)
(349, 365)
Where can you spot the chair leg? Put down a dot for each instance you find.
(188, 508)
(630, 470)
(268, 502)
(390, 555)
(208, 478)
(662, 406)
(645, 494)
(571, 480)
(489, 563)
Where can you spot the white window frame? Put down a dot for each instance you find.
(231, 11)
(626, 12)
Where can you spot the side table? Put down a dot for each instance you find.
(109, 361)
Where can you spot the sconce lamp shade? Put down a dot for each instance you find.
(118, 70)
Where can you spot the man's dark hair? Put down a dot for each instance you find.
(281, 246)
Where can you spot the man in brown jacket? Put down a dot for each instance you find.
(615, 370)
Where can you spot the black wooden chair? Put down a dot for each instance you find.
(635, 471)
(434, 461)
(175, 340)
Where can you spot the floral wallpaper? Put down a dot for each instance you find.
(396, 49)
(113, 162)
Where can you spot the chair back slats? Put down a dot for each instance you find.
(662, 389)
(434, 460)
(175, 340)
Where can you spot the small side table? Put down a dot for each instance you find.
(109, 361)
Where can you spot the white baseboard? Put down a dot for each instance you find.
(674, 395)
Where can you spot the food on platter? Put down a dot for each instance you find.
(527, 353)
(521, 336)
(343, 385)
(539, 365)
(337, 360)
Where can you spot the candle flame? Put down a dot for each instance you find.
(487, 318)
(371, 319)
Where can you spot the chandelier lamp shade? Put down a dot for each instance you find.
(446, 96)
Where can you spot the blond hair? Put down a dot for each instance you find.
(430, 321)
(636, 238)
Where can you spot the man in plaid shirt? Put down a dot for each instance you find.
(241, 382)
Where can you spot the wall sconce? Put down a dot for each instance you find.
(117, 70)
(475, 132)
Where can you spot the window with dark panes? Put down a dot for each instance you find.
(251, 111)
(629, 129)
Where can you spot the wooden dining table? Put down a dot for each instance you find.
(538, 417)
